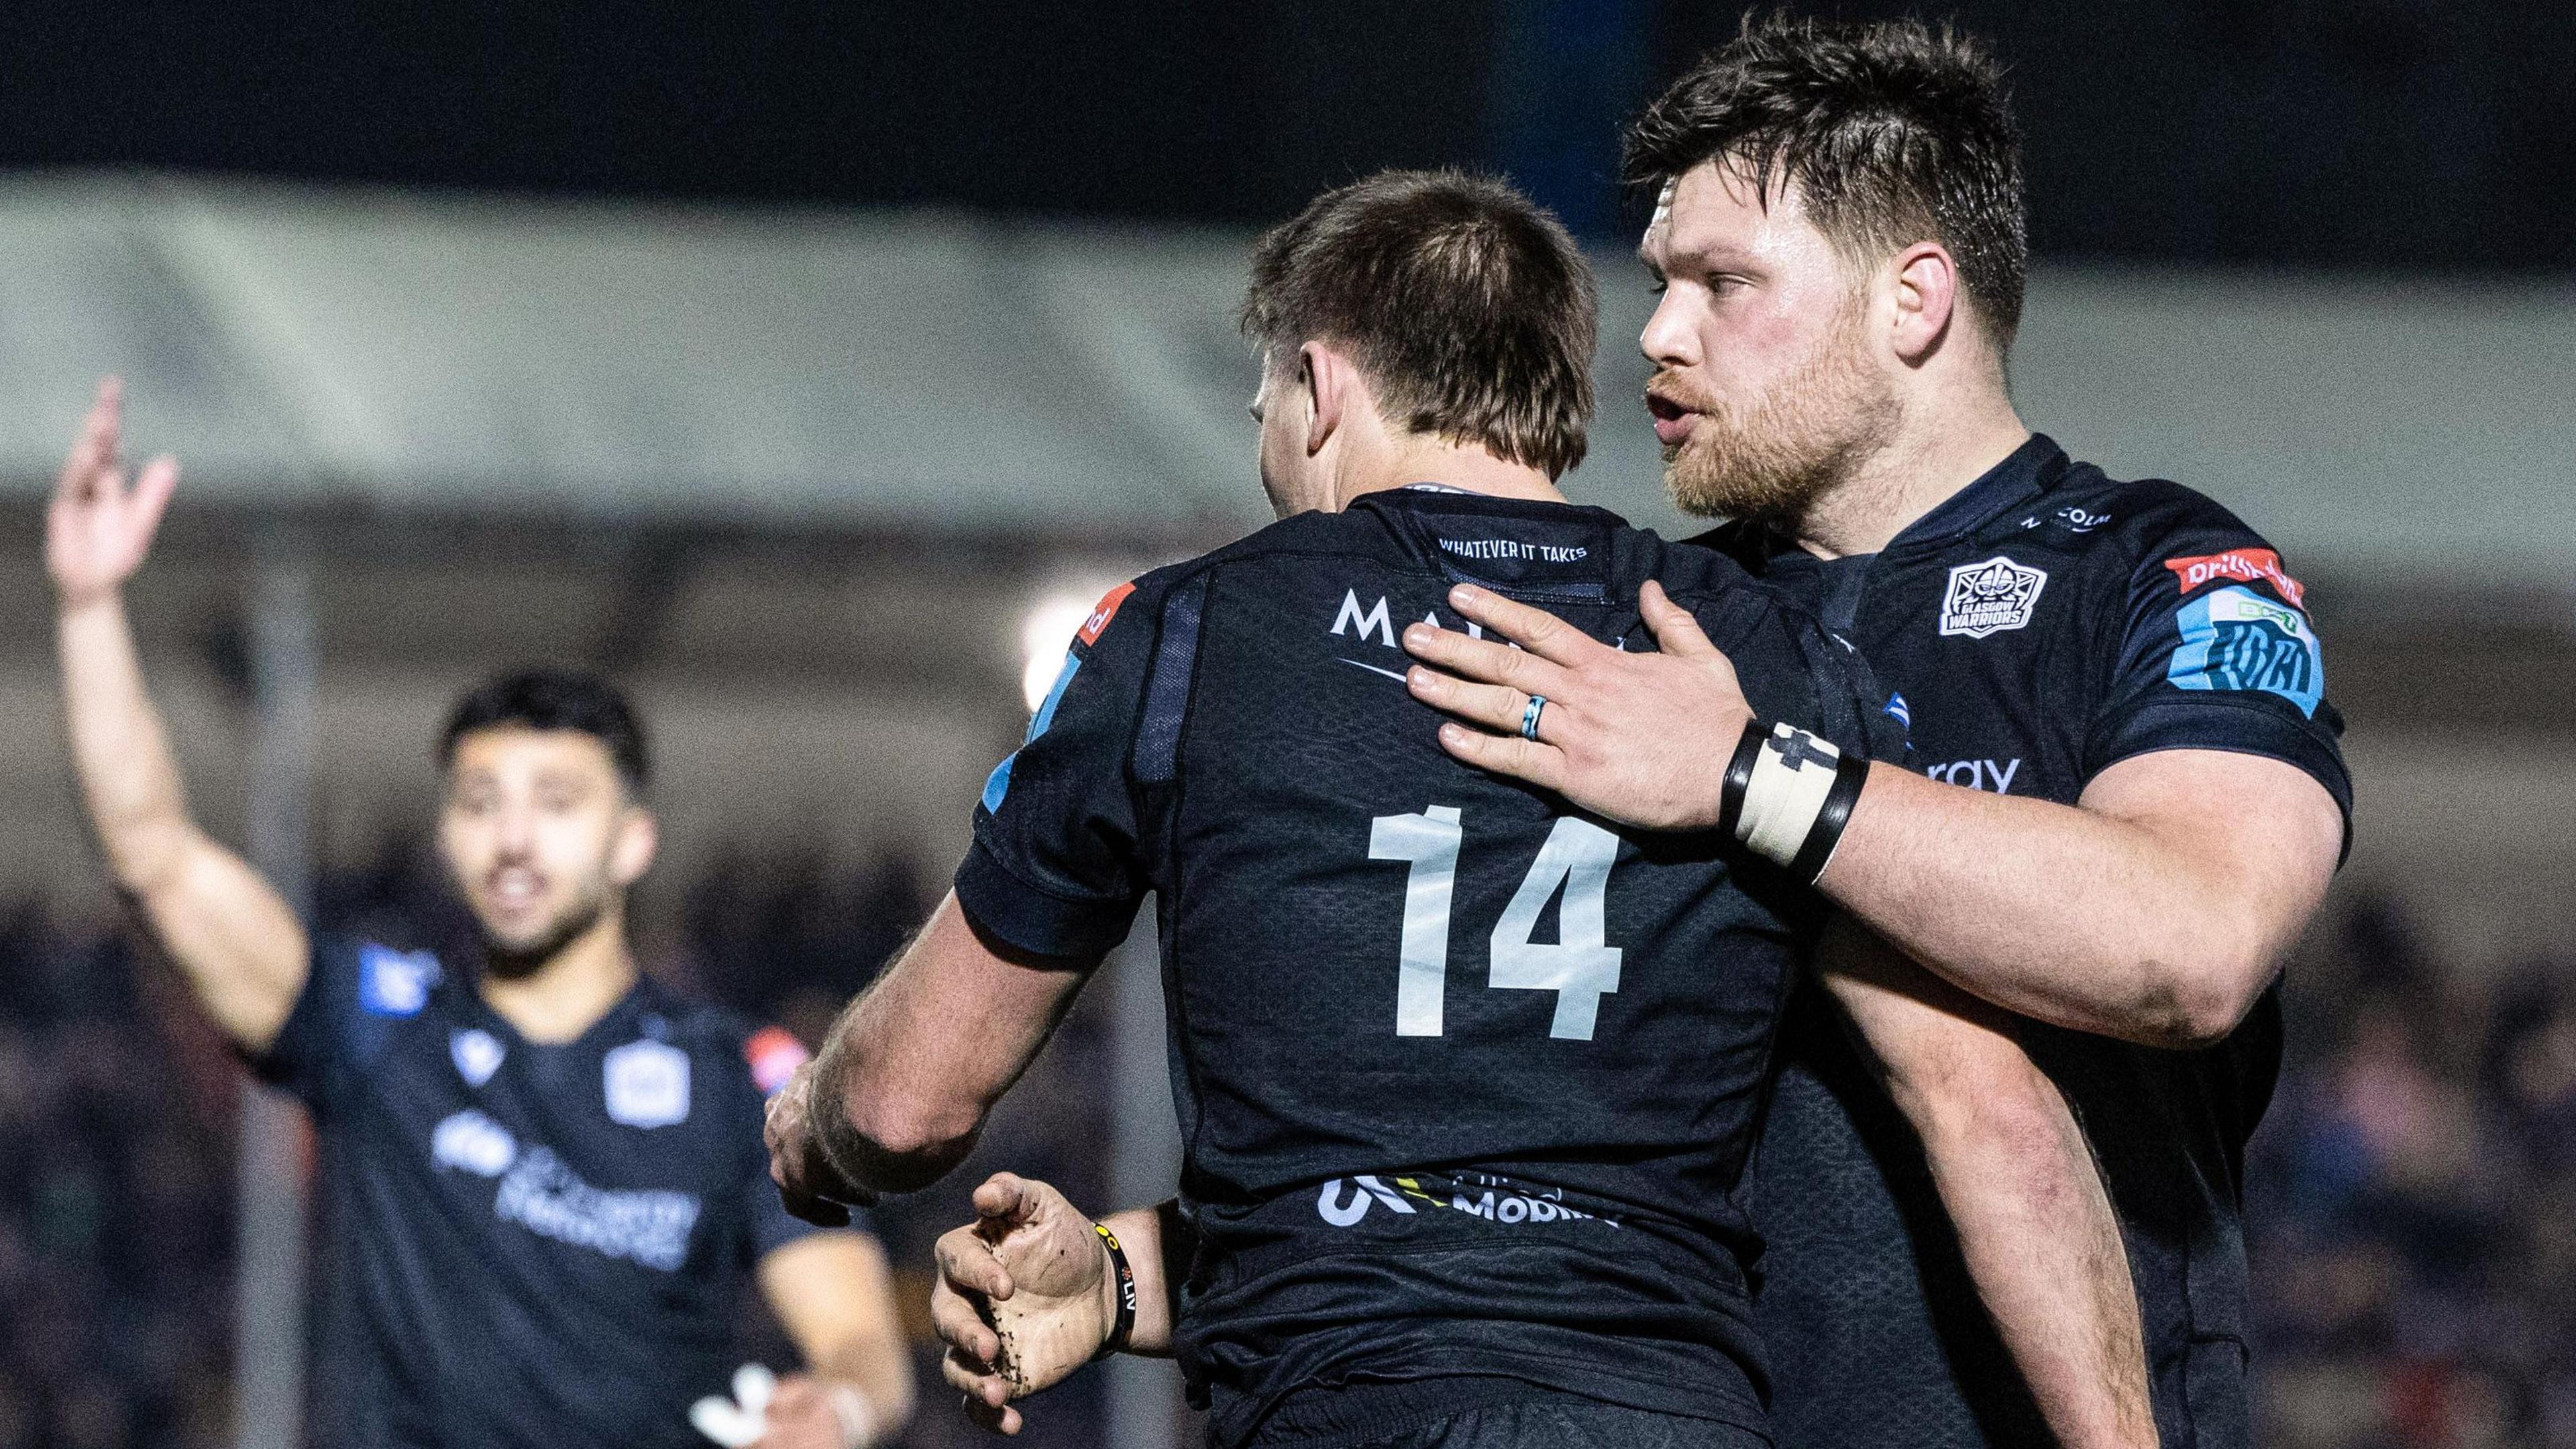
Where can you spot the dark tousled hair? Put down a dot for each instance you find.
(545, 698)
(1465, 303)
(1893, 133)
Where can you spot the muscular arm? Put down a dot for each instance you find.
(835, 1296)
(2157, 911)
(235, 940)
(899, 1092)
(2012, 1167)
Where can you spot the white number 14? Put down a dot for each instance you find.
(1578, 966)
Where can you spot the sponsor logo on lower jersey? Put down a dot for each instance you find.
(1343, 1202)
(2245, 566)
(1991, 597)
(2237, 640)
(537, 1191)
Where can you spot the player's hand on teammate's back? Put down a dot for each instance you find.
(1628, 736)
(1023, 1297)
(807, 1182)
(100, 524)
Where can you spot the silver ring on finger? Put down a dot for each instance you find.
(1530, 714)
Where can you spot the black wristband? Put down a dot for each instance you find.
(1850, 773)
(1739, 776)
(1125, 1328)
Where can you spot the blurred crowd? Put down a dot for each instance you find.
(2413, 1202)
(2412, 1195)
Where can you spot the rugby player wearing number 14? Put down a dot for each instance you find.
(1467, 1082)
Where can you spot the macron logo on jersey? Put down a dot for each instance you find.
(394, 983)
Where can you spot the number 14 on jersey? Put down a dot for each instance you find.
(1579, 966)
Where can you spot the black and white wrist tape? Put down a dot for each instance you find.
(1788, 796)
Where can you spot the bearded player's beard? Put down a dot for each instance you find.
(1770, 457)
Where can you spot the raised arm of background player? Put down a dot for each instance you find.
(233, 937)
(901, 1088)
(239, 944)
(2133, 915)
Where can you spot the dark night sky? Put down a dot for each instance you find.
(2370, 133)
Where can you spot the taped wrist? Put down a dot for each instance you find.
(1788, 795)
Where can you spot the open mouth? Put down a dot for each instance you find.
(1673, 422)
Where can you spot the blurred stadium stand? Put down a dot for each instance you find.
(800, 476)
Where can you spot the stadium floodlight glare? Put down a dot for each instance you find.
(1045, 634)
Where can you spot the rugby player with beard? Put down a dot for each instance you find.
(542, 1186)
(2121, 674)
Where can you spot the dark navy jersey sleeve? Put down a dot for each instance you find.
(1056, 867)
(355, 993)
(2216, 652)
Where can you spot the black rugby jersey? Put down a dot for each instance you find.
(523, 1243)
(2040, 626)
(1465, 1081)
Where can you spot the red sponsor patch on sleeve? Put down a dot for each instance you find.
(774, 1054)
(1105, 611)
(2245, 566)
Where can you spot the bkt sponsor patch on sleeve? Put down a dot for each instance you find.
(2235, 639)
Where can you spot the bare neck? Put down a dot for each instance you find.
(572, 989)
(1938, 448)
(1466, 468)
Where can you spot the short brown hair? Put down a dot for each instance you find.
(1893, 132)
(1466, 304)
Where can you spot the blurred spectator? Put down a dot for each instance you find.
(2415, 1203)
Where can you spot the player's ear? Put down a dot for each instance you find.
(1326, 376)
(1927, 292)
(631, 852)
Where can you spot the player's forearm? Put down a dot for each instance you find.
(2037, 1231)
(2063, 914)
(129, 778)
(236, 941)
(905, 1078)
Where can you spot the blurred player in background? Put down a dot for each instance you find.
(1466, 1082)
(2121, 674)
(542, 1186)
